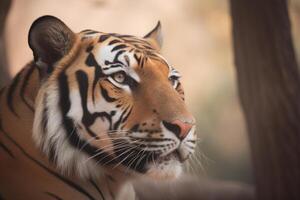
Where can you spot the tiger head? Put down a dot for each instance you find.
(108, 102)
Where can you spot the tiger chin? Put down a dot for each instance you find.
(108, 103)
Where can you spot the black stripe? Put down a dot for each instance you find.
(90, 32)
(125, 36)
(87, 118)
(45, 115)
(7, 150)
(114, 42)
(57, 175)
(138, 59)
(86, 30)
(68, 123)
(24, 85)
(114, 34)
(116, 59)
(91, 62)
(52, 152)
(121, 46)
(102, 38)
(115, 66)
(106, 96)
(97, 188)
(10, 93)
(125, 118)
(89, 48)
(118, 122)
(143, 61)
(53, 195)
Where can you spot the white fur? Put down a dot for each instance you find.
(67, 157)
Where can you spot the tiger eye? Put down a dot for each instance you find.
(119, 77)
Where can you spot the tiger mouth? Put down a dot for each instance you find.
(176, 154)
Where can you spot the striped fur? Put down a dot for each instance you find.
(98, 116)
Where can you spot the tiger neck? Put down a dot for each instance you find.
(20, 101)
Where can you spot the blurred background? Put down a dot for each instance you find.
(197, 41)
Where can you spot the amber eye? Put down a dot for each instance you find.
(119, 77)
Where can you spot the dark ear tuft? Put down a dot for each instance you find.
(155, 36)
(50, 39)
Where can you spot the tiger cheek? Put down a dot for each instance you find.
(103, 142)
(100, 127)
(180, 91)
(138, 115)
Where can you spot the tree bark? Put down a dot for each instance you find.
(4, 75)
(269, 89)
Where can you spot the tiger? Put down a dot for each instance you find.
(90, 113)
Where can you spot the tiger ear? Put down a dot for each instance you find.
(155, 36)
(50, 39)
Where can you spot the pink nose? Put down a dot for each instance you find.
(184, 127)
(179, 128)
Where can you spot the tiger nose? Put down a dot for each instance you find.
(179, 128)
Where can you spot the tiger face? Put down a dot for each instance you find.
(109, 102)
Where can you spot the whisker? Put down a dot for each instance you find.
(123, 159)
(129, 149)
(142, 157)
(153, 160)
(102, 150)
(86, 143)
(114, 152)
(103, 139)
(127, 156)
(143, 151)
(132, 161)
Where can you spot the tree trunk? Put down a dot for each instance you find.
(4, 75)
(269, 89)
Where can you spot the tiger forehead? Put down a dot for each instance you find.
(113, 50)
(116, 39)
